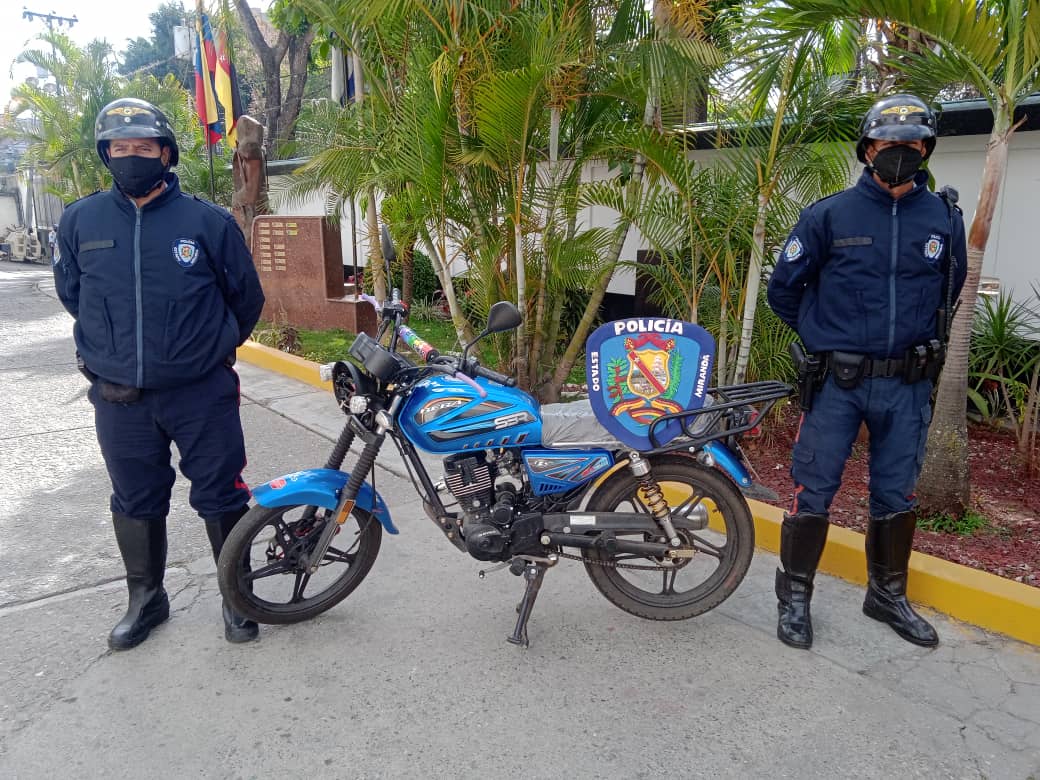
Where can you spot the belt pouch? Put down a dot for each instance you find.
(847, 369)
(119, 394)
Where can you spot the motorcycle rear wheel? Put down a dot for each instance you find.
(261, 562)
(729, 541)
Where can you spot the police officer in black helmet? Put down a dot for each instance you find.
(163, 290)
(867, 279)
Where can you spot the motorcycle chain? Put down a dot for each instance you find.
(610, 564)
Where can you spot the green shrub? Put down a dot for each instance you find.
(969, 524)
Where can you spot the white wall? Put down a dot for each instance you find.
(1012, 254)
(1013, 249)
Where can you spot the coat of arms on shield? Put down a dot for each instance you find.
(641, 369)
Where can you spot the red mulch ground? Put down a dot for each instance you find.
(1002, 491)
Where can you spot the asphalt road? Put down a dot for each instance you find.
(411, 676)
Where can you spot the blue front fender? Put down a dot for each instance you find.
(320, 487)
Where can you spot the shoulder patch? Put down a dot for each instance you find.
(185, 252)
(793, 250)
(933, 247)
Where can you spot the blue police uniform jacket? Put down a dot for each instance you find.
(161, 294)
(862, 272)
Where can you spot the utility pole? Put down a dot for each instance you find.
(49, 19)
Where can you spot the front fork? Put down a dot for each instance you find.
(348, 496)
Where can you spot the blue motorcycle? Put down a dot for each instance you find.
(664, 531)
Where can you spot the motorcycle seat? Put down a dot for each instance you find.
(574, 426)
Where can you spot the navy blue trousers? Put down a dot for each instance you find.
(897, 416)
(202, 418)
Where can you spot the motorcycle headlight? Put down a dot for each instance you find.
(358, 404)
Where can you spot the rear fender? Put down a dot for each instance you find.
(321, 487)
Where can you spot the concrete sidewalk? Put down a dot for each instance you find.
(411, 676)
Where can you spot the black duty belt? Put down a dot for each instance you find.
(875, 368)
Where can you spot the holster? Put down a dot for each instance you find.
(118, 394)
(924, 361)
(810, 375)
(82, 366)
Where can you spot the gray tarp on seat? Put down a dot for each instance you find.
(574, 425)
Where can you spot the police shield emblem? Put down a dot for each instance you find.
(933, 247)
(641, 369)
(185, 252)
(793, 250)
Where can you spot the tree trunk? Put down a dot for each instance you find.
(754, 282)
(440, 267)
(380, 284)
(408, 272)
(538, 337)
(944, 485)
(577, 342)
(299, 55)
(279, 116)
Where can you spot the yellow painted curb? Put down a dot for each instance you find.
(282, 363)
(973, 596)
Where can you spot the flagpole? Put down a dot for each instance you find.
(212, 185)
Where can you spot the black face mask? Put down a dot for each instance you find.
(137, 176)
(896, 165)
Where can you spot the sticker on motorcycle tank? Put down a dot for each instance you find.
(277, 484)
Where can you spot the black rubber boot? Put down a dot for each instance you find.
(142, 543)
(802, 537)
(889, 542)
(236, 628)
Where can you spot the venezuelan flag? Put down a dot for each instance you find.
(205, 63)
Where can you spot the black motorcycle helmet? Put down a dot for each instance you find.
(900, 117)
(133, 118)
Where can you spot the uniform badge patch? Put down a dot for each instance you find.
(933, 247)
(793, 250)
(185, 252)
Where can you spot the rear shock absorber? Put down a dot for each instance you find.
(654, 496)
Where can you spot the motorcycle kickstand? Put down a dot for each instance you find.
(533, 573)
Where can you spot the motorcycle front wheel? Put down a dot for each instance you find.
(262, 572)
(719, 554)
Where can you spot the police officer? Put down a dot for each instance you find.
(865, 279)
(163, 290)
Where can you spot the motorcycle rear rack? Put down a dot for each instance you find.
(725, 399)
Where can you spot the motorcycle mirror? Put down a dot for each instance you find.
(389, 254)
(503, 316)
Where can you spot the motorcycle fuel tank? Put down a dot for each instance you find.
(445, 415)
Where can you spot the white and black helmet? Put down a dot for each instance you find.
(899, 117)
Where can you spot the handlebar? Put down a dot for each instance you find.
(473, 367)
(397, 311)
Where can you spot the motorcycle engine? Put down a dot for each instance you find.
(488, 516)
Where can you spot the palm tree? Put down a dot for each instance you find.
(801, 108)
(472, 107)
(994, 46)
(61, 131)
